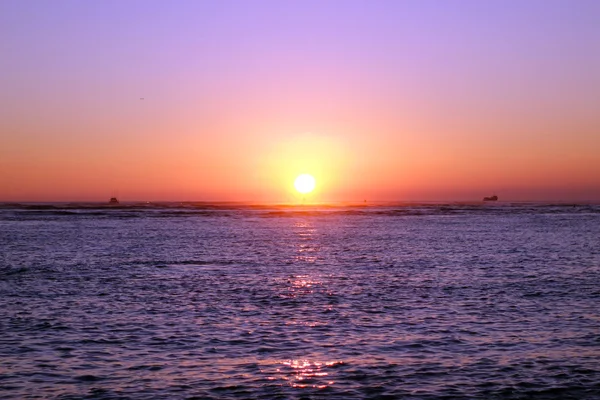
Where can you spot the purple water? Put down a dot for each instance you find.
(421, 301)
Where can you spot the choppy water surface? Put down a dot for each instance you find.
(201, 301)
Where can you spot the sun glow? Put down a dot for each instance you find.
(321, 157)
(304, 183)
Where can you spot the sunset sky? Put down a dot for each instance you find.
(231, 100)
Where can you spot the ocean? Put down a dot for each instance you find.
(231, 301)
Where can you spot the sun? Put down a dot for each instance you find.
(305, 183)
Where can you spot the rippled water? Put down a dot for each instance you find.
(228, 301)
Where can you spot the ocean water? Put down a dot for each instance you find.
(406, 301)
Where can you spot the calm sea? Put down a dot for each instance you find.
(408, 301)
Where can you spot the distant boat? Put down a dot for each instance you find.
(113, 200)
(492, 198)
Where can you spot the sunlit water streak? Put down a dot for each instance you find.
(416, 301)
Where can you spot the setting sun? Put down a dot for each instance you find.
(304, 183)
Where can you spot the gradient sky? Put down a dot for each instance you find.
(379, 100)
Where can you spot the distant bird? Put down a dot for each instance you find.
(141, 98)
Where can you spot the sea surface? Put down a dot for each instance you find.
(230, 301)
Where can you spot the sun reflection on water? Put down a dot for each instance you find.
(306, 248)
(303, 373)
(300, 285)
